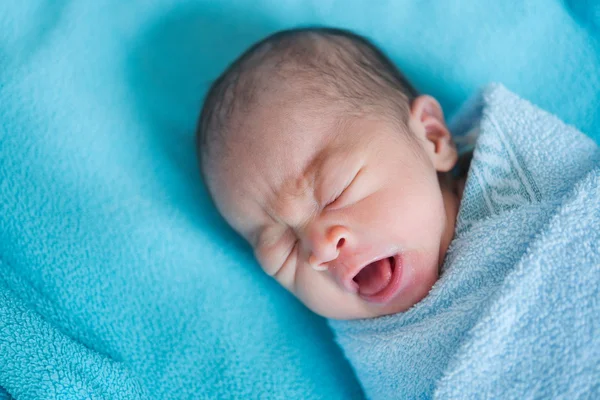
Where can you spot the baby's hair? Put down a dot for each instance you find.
(331, 65)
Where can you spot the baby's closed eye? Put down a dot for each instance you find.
(346, 195)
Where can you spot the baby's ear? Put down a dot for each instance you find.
(427, 123)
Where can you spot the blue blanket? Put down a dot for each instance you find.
(117, 277)
(515, 312)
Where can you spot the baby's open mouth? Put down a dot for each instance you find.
(379, 281)
(375, 277)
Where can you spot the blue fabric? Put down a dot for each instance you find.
(117, 277)
(515, 311)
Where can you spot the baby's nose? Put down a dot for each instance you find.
(327, 248)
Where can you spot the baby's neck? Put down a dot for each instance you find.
(452, 191)
(459, 173)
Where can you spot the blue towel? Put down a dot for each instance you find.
(117, 276)
(515, 311)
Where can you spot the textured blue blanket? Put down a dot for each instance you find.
(117, 277)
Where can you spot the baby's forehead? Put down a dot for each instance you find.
(267, 162)
(282, 126)
(283, 145)
(278, 144)
(294, 153)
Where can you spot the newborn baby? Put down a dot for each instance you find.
(322, 156)
(349, 187)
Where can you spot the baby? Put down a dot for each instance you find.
(317, 150)
(349, 187)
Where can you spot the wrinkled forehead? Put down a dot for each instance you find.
(270, 149)
(280, 143)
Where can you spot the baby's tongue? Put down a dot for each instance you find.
(374, 277)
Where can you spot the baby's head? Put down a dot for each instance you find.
(321, 155)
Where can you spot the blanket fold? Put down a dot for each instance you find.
(514, 313)
(50, 362)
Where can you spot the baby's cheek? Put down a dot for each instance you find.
(318, 291)
(265, 259)
(283, 272)
(313, 291)
(379, 212)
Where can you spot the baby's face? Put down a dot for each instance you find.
(346, 213)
